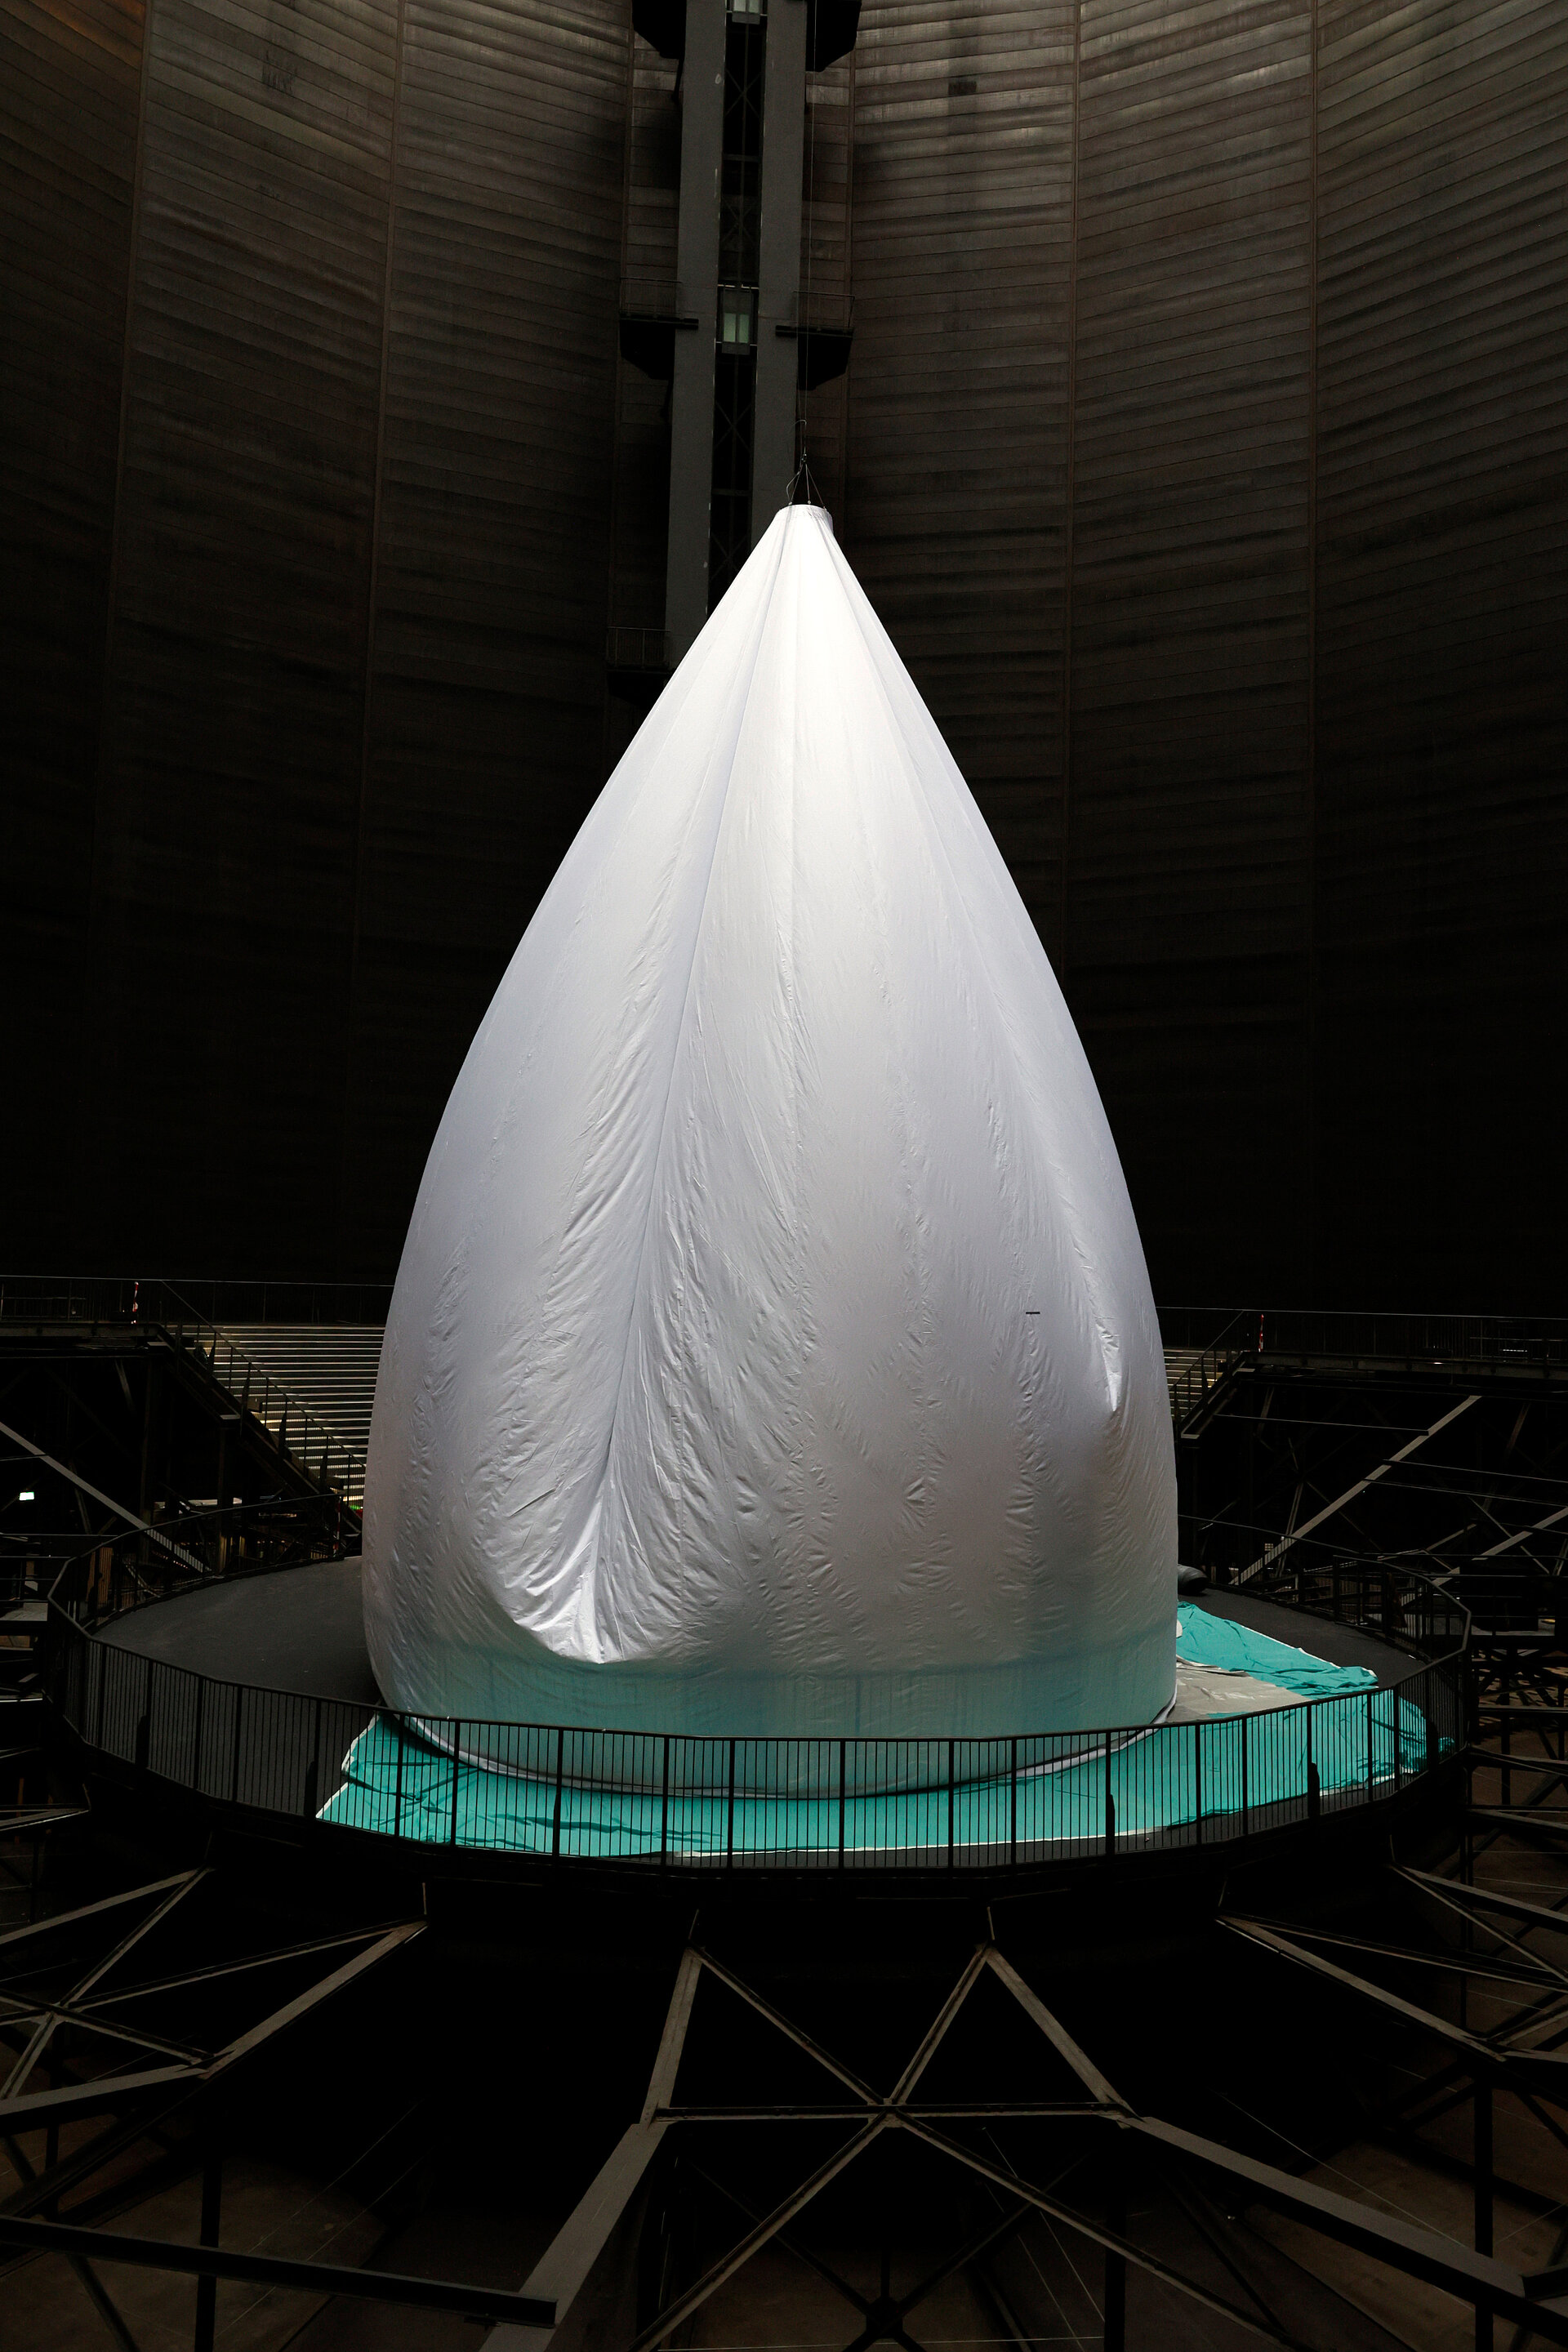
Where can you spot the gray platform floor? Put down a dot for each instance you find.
(295, 1629)
(301, 1629)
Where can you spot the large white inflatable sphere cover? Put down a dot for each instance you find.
(773, 1350)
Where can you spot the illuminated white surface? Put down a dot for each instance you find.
(773, 1348)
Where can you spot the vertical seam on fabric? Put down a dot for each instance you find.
(1024, 1272)
(913, 768)
(680, 1037)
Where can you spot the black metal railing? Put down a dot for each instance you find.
(54, 1299)
(1457, 1342)
(679, 1802)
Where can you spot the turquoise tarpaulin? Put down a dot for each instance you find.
(1205, 1640)
(1158, 1782)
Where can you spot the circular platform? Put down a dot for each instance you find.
(254, 1691)
(302, 1630)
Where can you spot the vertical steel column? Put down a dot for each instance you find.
(207, 2286)
(697, 272)
(1483, 2170)
(1115, 2335)
(778, 268)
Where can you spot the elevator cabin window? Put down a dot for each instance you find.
(737, 317)
(735, 361)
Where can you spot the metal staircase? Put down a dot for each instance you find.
(322, 1372)
(1194, 1375)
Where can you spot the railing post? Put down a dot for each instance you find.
(730, 1829)
(314, 1777)
(841, 1802)
(664, 1809)
(1198, 1782)
(398, 1813)
(457, 1756)
(949, 1794)
(238, 1690)
(144, 1728)
(1110, 1804)
(196, 1742)
(1244, 1723)
(559, 1770)
(1013, 1810)
(1371, 1727)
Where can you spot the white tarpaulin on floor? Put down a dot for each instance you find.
(773, 1348)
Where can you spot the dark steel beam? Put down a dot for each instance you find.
(563, 2269)
(791, 2032)
(1440, 2262)
(1516, 1820)
(937, 2031)
(13, 1935)
(977, 2247)
(1452, 1894)
(24, 2111)
(1546, 2071)
(740, 2255)
(1455, 1892)
(180, 1983)
(1218, 2234)
(782, 2237)
(468, 2301)
(104, 2304)
(937, 2110)
(1098, 2089)
(1521, 1972)
(1085, 2225)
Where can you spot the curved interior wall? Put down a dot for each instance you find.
(331, 709)
(1217, 351)
(1219, 345)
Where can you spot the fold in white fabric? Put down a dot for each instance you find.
(773, 1350)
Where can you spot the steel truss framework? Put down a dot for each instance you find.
(140, 2080)
(1522, 2061)
(1461, 1466)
